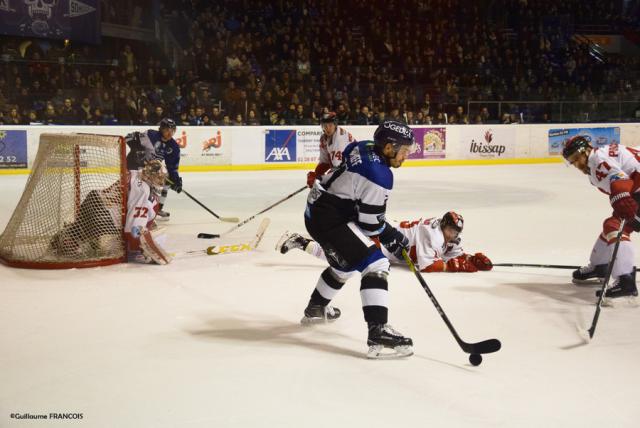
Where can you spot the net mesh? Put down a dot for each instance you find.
(71, 212)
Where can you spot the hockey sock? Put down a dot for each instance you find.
(624, 259)
(315, 250)
(326, 288)
(375, 298)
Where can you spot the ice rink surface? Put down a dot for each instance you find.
(215, 341)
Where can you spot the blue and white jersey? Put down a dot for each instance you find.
(148, 145)
(365, 180)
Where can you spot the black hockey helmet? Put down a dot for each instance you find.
(396, 133)
(167, 123)
(453, 220)
(329, 117)
(579, 143)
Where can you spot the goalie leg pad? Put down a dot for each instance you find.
(152, 250)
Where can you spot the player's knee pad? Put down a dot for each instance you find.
(337, 275)
(378, 267)
(610, 228)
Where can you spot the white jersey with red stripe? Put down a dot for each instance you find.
(142, 204)
(427, 243)
(614, 162)
(331, 148)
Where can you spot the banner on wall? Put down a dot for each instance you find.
(204, 146)
(481, 142)
(430, 143)
(280, 145)
(13, 149)
(308, 145)
(77, 20)
(598, 136)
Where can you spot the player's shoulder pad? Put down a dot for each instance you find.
(363, 160)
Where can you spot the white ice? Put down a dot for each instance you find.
(215, 341)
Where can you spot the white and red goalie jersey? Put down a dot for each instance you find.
(430, 253)
(142, 208)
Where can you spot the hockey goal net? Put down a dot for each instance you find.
(73, 208)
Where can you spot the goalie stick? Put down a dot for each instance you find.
(484, 347)
(237, 248)
(232, 248)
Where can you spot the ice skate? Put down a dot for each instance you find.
(623, 290)
(163, 215)
(589, 275)
(383, 336)
(316, 314)
(289, 241)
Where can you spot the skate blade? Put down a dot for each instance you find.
(379, 352)
(593, 281)
(621, 302)
(313, 321)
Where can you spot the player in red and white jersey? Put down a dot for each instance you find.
(333, 141)
(435, 245)
(142, 209)
(614, 170)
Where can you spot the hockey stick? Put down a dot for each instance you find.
(596, 315)
(245, 221)
(227, 219)
(224, 249)
(233, 248)
(484, 347)
(517, 265)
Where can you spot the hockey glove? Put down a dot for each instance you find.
(394, 241)
(481, 261)
(460, 264)
(624, 206)
(176, 185)
(311, 178)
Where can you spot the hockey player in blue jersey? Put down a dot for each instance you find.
(152, 144)
(345, 212)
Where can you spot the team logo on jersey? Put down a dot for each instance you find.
(280, 145)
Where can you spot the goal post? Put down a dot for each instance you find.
(72, 211)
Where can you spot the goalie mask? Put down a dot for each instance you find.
(154, 173)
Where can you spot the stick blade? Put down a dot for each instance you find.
(230, 219)
(208, 235)
(484, 347)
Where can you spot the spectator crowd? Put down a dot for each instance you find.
(283, 62)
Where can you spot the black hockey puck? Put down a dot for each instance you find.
(475, 359)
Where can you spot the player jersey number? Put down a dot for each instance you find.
(140, 212)
(336, 154)
(602, 170)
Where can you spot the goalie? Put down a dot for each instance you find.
(95, 230)
(434, 245)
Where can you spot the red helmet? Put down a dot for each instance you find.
(579, 143)
(452, 219)
(329, 117)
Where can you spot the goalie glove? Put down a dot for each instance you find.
(152, 250)
(394, 241)
(624, 206)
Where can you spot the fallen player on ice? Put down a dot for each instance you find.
(435, 245)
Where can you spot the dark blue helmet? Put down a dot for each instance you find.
(396, 133)
(167, 123)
